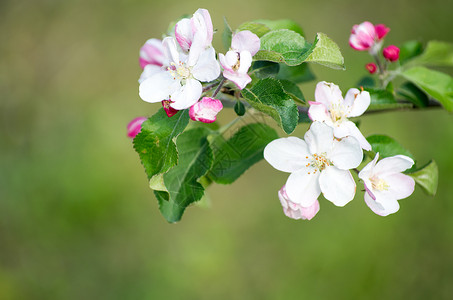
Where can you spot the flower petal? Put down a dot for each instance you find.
(389, 207)
(367, 172)
(327, 93)
(158, 87)
(392, 165)
(148, 72)
(296, 211)
(245, 59)
(207, 68)
(240, 80)
(400, 185)
(205, 110)
(302, 187)
(359, 102)
(319, 138)
(346, 154)
(224, 63)
(337, 185)
(348, 128)
(184, 34)
(245, 41)
(319, 112)
(201, 21)
(152, 52)
(170, 50)
(187, 95)
(287, 154)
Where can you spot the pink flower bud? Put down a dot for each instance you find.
(135, 126)
(296, 211)
(205, 110)
(371, 67)
(170, 111)
(152, 53)
(381, 31)
(391, 53)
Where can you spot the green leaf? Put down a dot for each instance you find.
(264, 69)
(182, 181)
(239, 108)
(412, 93)
(257, 28)
(234, 156)
(427, 177)
(226, 35)
(282, 24)
(410, 50)
(386, 146)
(383, 99)
(293, 90)
(366, 82)
(269, 97)
(284, 46)
(154, 143)
(436, 54)
(436, 84)
(296, 74)
(326, 52)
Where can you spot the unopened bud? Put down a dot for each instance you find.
(135, 126)
(391, 53)
(371, 67)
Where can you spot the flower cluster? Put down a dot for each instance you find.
(321, 162)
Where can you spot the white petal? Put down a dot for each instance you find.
(187, 95)
(389, 207)
(367, 171)
(337, 185)
(360, 104)
(207, 67)
(231, 58)
(303, 188)
(319, 138)
(287, 154)
(245, 62)
(328, 93)
(202, 23)
(318, 112)
(392, 165)
(158, 87)
(224, 63)
(350, 96)
(240, 80)
(400, 185)
(347, 128)
(246, 40)
(346, 154)
(171, 50)
(184, 34)
(149, 71)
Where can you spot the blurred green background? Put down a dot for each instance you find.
(77, 220)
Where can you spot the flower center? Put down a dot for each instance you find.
(319, 162)
(237, 65)
(179, 71)
(379, 184)
(338, 112)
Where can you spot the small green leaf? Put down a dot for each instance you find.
(154, 143)
(386, 146)
(182, 181)
(282, 24)
(234, 156)
(264, 69)
(226, 35)
(269, 97)
(412, 93)
(239, 108)
(383, 99)
(257, 28)
(293, 90)
(326, 52)
(436, 54)
(410, 50)
(366, 82)
(436, 84)
(427, 177)
(296, 74)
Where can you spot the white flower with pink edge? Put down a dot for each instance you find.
(385, 184)
(331, 108)
(367, 36)
(320, 163)
(205, 110)
(296, 211)
(237, 61)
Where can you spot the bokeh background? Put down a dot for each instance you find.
(77, 220)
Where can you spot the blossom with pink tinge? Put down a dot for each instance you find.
(371, 67)
(152, 58)
(319, 163)
(366, 36)
(391, 53)
(385, 183)
(135, 126)
(333, 110)
(195, 34)
(296, 211)
(237, 61)
(205, 110)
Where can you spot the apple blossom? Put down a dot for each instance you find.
(371, 67)
(320, 163)
(296, 211)
(385, 184)
(205, 110)
(367, 36)
(391, 53)
(331, 108)
(237, 61)
(135, 126)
